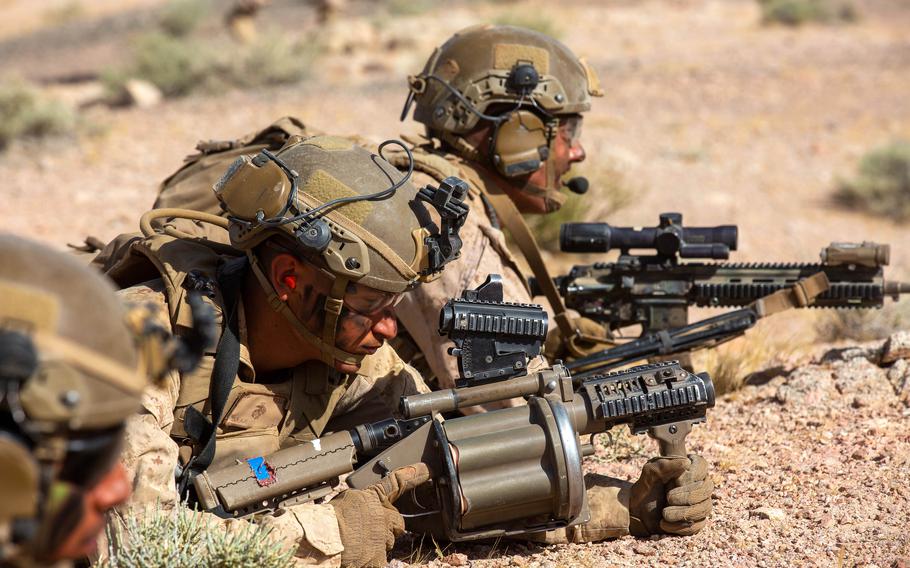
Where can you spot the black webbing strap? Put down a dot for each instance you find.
(227, 363)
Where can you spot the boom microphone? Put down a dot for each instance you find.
(577, 185)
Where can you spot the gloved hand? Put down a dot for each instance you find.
(593, 339)
(368, 522)
(673, 495)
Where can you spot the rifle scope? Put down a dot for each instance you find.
(669, 238)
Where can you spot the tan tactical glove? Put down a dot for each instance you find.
(593, 339)
(368, 522)
(673, 495)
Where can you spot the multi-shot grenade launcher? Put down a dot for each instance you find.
(503, 472)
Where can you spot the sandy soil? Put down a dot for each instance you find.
(706, 112)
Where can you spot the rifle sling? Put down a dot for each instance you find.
(800, 295)
(512, 220)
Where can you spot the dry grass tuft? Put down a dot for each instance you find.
(799, 12)
(181, 538)
(730, 365)
(532, 21)
(863, 325)
(882, 182)
(180, 18)
(179, 66)
(26, 113)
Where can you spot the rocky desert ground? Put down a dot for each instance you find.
(706, 112)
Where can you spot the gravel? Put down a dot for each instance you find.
(805, 475)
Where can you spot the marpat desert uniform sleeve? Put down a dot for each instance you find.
(150, 456)
(483, 252)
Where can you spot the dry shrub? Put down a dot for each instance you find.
(65, 13)
(175, 65)
(609, 192)
(179, 66)
(882, 182)
(731, 364)
(536, 21)
(799, 12)
(25, 112)
(863, 325)
(181, 17)
(181, 538)
(409, 7)
(273, 61)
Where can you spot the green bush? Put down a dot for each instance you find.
(24, 112)
(798, 12)
(180, 17)
(882, 183)
(181, 538)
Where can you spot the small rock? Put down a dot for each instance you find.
(899, 377)
(456, 559)
(141, 93)
(769, 513)
(871, 354)
(896, 347)
(643, 549)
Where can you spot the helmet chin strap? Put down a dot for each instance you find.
(329, 353)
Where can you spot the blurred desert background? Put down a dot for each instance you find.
(790, 118)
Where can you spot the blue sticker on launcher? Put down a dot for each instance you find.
(260, 469)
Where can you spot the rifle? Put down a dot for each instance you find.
(500, 473)
(656, 290)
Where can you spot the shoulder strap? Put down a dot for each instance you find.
(507, 213)
(227, 363)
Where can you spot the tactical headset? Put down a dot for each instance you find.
(521, 139)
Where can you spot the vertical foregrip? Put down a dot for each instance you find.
(662, 398)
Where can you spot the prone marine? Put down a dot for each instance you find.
(306, 296)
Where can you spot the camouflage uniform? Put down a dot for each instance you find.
(484, 252)
(260, 418)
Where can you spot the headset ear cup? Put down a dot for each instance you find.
(520, 144)
(19, 480)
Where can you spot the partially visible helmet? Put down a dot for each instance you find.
(330, 199)
(488, 65)
(70, 375)
(521, 81)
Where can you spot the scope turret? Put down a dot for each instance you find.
(669, 238)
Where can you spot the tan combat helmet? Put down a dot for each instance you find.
(328, 199)
(70, 375)
(518, 79)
